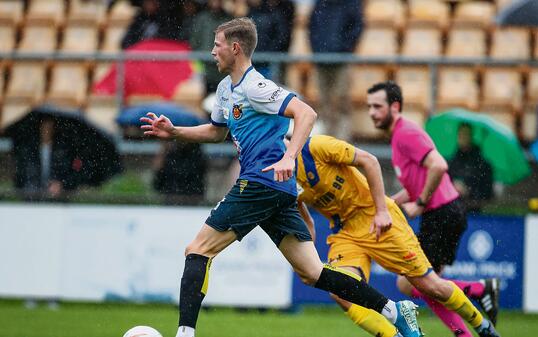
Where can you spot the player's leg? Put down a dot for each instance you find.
(198, 254)
(305, 261)
(346, 254)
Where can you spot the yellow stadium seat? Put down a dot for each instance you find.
(502, 89)
(300, 76)
(416, 86)
(422, 42)
(27, 82)
(12, 110)
(38, 37)
(190, 92)
(7, 37)
(83, 10)
(458, 87)
(529, 121)
(50, 11)
(112, 38)
(362, 127)
(466, 42)
(429, 13)
(503, 116)
(121, 13)
(378, 42)
(416, 114)
(11, 11)
(510, 43)
(532, 86)
(474, 13)
(385, 13)
(363, 77)
(68, 85)
(80, 37)
(102, 111)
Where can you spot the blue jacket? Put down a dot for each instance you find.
(335, 25)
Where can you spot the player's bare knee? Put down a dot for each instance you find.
(308, 277)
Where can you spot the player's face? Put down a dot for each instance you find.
(379, 110)
(223, 53)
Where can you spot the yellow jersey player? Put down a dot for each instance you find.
(366, 226)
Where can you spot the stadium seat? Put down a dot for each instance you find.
(80, 37)
(505, 117)
(83, 10)
(190, 92)
(363, 77)
(466, 42)
(102, 111)
(38, 37)
(301, 75)
(2, 83)
(362, 127)
(529, 121)
(422, 42)
(384, 13)
(21, 88)
(532, 86)
(503, 3)
(121, 13)
(378, 42)
(474, 13)
(68, 85)
(112, 38)
(49, 11)
(510, 43)
(502, 90)
(7, 37)
(11, 12)
(428, 13)
(535, 52)
(416, 86)
(12, 110)
(458, 87)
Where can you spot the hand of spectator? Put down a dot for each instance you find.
(160, 126)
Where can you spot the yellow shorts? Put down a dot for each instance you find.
(397, 250)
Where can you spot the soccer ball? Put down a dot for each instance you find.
(142, 331)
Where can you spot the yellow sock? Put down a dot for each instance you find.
(371, 321)
(460, 304)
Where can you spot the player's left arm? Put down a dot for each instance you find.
(369, 164)
(304, 117)
(307, 217)
(436, 167)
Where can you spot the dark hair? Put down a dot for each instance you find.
(392, 89)
(242, 31)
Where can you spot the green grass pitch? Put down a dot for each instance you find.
(112, 320)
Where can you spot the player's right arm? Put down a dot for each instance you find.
(401, 197)
(163, 128)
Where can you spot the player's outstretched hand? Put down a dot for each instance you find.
(412, 209)
(382, 222)
(283, 169)
(160, 126)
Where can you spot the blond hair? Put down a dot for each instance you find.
(242, 31)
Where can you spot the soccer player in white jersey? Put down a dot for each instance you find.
(256, 112)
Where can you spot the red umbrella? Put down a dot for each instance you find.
(149, 77)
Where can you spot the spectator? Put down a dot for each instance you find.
(156, 19)
(471, 173)
(202, 37)
(180, 171)
(335, 27)
(274, 20)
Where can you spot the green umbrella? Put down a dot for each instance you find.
(498, 144)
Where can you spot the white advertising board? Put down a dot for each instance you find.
(530, 291)
(101, 253)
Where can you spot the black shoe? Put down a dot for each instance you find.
(489, 301)
(488, 332)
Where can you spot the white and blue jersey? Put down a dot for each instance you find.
(253, 111)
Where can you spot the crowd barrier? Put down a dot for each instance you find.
(135, 253)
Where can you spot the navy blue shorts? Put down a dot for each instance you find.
(250, 204)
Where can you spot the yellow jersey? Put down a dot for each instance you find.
(327, 181)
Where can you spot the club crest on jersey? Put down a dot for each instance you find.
(237, 111)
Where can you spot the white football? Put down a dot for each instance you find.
(142, 331)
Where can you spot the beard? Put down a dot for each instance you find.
(386, 122)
